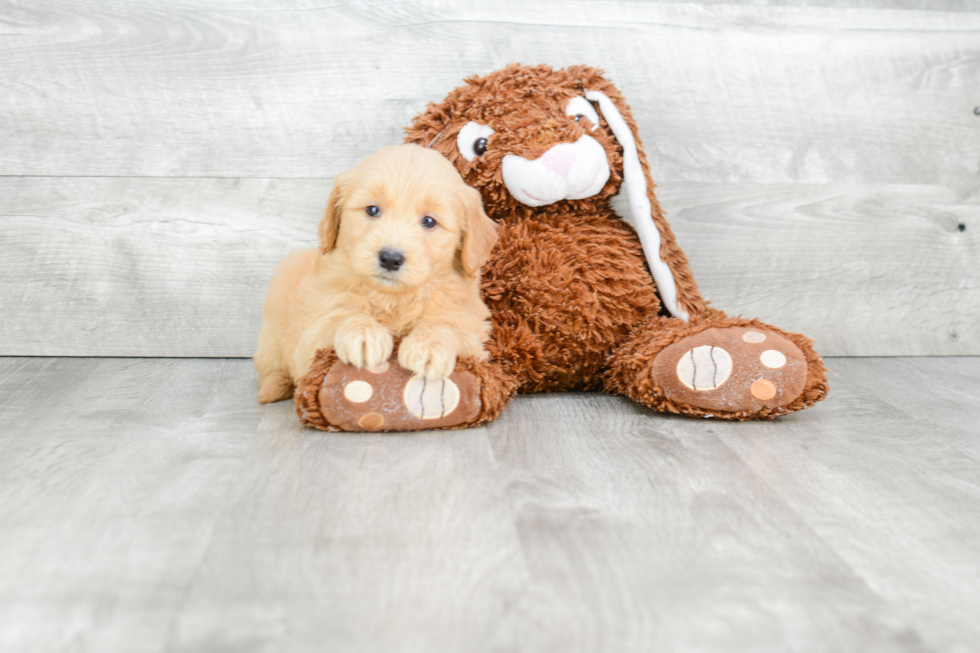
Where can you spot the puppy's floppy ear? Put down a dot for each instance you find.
(330, 224)
(479, 233)
(668, 264)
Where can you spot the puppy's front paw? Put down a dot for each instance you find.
(363, 344)
(427, 357)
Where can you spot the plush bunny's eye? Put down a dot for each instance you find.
(582, 108)
(472, 140)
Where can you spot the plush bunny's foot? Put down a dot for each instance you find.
(335, 396)
(734, 369)
(390, 398)
(722, 367)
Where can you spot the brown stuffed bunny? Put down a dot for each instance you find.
(579, 299)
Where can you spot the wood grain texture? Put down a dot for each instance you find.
(179, 267)
(144, 266)
(881, 496)
(152, 505)
(722, 93)
(865, 270)
(816, 157)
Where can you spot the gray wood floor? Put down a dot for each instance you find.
(152, 505)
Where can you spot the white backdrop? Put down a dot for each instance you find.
(820, 165)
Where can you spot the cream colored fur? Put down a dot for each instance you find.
(340, 297)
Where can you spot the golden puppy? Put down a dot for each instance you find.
(401, 245)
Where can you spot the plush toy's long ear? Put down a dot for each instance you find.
(480, 233)
(330, 224)
(675, 283)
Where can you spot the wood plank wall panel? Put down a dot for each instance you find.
(866, 270)
(721, 93)
(179, 267)
(146, 266)
(817, 162)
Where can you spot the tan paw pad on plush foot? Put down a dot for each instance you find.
(390, 398)
(732, 369)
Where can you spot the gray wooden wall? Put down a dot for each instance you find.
(820, 161)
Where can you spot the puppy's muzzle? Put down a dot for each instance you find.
(390, 259)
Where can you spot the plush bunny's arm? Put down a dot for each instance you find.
(639, 203)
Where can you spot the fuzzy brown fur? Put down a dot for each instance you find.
(526, 108)
(571, 297)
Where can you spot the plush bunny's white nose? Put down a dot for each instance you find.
(567, 171)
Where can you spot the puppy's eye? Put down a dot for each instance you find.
(428, 222)
(373, 211)
(579, 117)
(472, 140)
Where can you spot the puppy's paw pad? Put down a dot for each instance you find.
(732, 369)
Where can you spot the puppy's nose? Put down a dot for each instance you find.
(390, 259)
